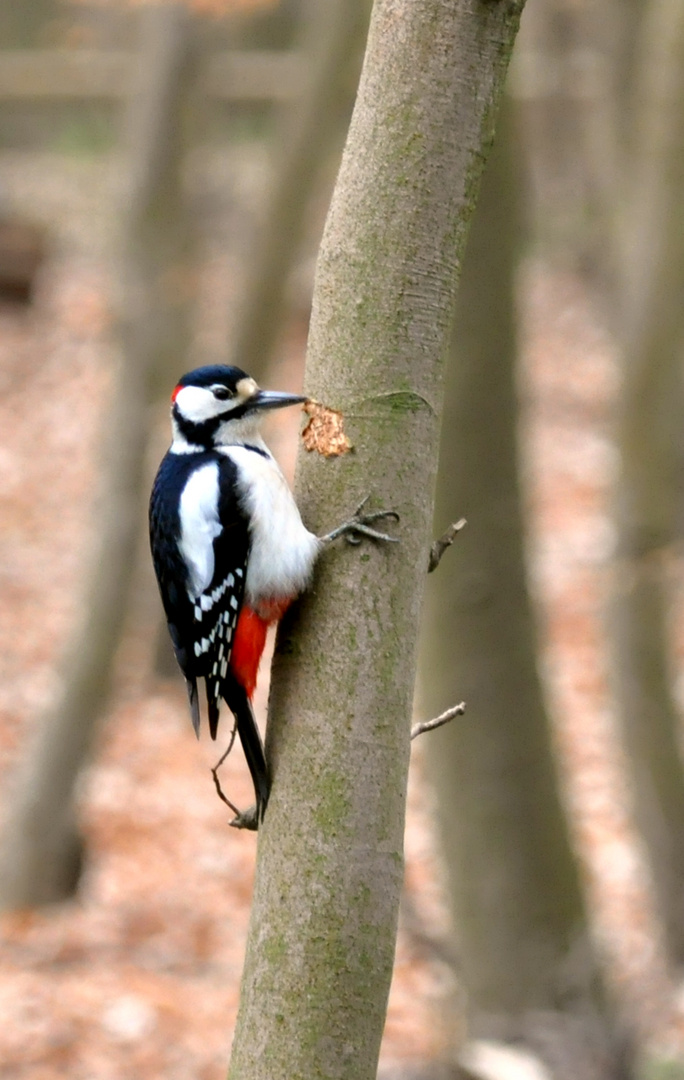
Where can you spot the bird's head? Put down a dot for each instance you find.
(219, 405)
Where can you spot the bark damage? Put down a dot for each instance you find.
(324, 431)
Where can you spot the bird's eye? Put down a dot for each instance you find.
(221, 392)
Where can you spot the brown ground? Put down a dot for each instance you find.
(140, 976)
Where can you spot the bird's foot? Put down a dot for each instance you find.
(360, 525)
(247, 819)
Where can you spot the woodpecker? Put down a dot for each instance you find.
(229, 547)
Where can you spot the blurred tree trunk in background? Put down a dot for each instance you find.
(526, 959)
(41, 855)
(25, 25)
(323, 924)
(572, 81)
(632, 144)
(546, 77)
(314, 130)
(648, 497)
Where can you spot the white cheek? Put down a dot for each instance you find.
(198, 404)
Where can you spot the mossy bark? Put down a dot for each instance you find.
(330, 861)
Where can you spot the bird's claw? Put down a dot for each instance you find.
(358, 529)
(360, 525)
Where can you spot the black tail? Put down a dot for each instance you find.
(240, 706)
(194, 704)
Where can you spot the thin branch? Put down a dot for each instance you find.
(244, 819)
(217, 766)
(438, 721)
(439, 546)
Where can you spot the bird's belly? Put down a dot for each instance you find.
(280, 561)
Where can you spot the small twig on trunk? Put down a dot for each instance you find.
(244, 819)
(444, 718)
(439, 546)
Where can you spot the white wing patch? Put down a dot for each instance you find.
(200, 525)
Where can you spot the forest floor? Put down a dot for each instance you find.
(139, 976)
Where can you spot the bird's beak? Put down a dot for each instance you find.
(270, 399)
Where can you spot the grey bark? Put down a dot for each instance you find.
(649, 490)
(312, 133)
(323, 926)
(42, 847)
(525, 956)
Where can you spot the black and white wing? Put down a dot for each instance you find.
(200, 544)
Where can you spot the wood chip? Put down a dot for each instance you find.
(325, 430)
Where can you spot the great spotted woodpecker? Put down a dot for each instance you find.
(229, 547)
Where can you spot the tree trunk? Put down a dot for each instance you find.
(21, 25)
(322, 933)
(637, 128)
(649, 489)
(552, 94)
(41, 856)
(315, 127)
(523, 942)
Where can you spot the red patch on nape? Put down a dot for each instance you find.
(176, 393)
(248, 645)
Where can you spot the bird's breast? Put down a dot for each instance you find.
(282, 550)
